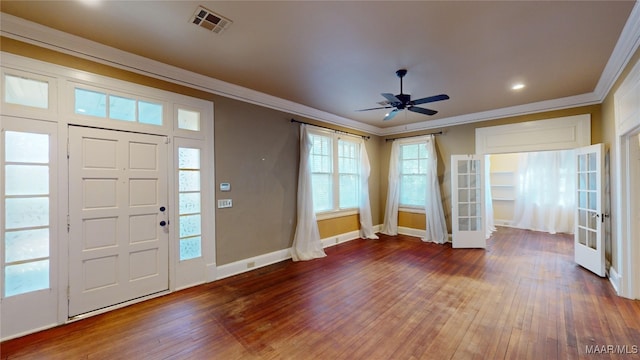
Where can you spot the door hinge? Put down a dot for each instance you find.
(67, 148)
(167, 140)
(68, 223)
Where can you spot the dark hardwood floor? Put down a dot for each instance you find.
(394, 298)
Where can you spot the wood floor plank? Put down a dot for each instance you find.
(394, 298)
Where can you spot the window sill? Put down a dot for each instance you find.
(336, 214)
(413, 210)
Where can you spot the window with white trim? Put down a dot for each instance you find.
(335, 171)
(413, 174)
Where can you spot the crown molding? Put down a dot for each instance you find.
(626, 46)
(532, 108)
(42, 36)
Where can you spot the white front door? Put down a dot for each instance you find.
(467, 198)
(118, 239)
(589, 233)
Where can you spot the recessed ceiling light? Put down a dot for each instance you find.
(91, 2)
(518, 86)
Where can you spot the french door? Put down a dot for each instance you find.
(467, 198)
(118, 235)
(588, 237)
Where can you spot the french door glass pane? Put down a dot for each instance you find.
(27, 92)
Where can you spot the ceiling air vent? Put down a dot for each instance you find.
(209, 20)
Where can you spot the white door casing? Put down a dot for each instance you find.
(467, 199)
(118, 248)
(589, 229)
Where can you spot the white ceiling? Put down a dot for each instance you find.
(338, 56)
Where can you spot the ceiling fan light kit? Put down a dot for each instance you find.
(403, 101)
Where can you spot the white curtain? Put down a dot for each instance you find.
(390, 225)
(306, 241)
(545, 192)
(366, 224)
(436, 224)
(488, 198)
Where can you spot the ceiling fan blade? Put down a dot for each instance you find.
(391, 114)
(430, 99)
(422, 111)
(392, 98)
(376, 108)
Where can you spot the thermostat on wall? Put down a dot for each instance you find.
(225, 187)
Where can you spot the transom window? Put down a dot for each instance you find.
(26, 92)
(115, 107)
(335, 171)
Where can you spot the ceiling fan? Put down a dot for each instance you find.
(403, 101)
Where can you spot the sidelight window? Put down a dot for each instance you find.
(189, 203)
(26, 208)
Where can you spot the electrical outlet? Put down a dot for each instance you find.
(225, 203)
(251, 264)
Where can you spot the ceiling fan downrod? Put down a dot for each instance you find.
(401, 73)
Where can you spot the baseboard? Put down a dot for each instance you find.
(502, 222)
(339, 239)
(256, 262)
(614, 279)
(242, 266)
(411, 231)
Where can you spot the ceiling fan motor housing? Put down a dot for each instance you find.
(404, 100)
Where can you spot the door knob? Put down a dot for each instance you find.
(162, 208)
(163, 223)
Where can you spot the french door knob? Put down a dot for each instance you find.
(163, 223)
(162, 208)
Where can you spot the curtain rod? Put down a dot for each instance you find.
(338, 131)
(405, 137)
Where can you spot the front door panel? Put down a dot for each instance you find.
(118, 248)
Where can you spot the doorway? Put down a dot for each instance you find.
(118, 239)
